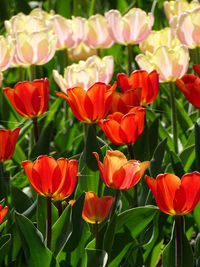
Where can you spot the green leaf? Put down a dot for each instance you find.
(73, 254)
(42, 146)
(187, 157)
(96, 257)
(61, 231)
(19, 200)
(5, 242)
(37, 255)
(197, 146)
(177, 164)
(89, 172)
(110, 233)
(136, 219)
(156, 161)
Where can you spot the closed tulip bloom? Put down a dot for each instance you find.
(30, 99)
(92, 105)
(123, 102)
(96, 209)
(132, 28)
(8, 141)
(52, 178)
(81, 52)
(173, 195)
(177, 7)
(189, 85)
(119, 173)
(158, 38)
(85, 73)
(188, 28)
(148, 82)
(69, 32)
(170, 64)
(6, 52)
(3, 212)
(35, 42)
(97, 34)
(124, 129)
(1, 78)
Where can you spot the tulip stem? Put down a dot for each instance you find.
(130, 59)
(49, 223)
(130, 151)
(179, 230)
(32, 72)
(99, 52)
(117, 195)
(35, 129)
(96, 235)
(60, 209)
(174, 117)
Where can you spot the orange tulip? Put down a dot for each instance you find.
(173, 195)
(123, 102)
(30, 99)
(3, 212)
(124, 129)
(8, 141)
(148, 82)
(52, 178)
(119, 173)
(96, 209)
(189, 85)
(92, 105)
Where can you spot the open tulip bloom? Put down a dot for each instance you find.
(119, 173)
(90, 106)
(173, 195)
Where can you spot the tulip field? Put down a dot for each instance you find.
(100, 133)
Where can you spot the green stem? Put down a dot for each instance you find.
(35, 129)
(96, 235)
(154, 6)
(174, 117)
(117, 195)
(99, 52)
(49, 223)
(32, 73)
(130, 151)
(60, 209)
(179, 230)
(130, 59)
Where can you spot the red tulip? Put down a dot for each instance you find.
(124, 129)
(173, 195)
(119, 173)
(148, 82)
(3, 212)
(189, 85)
(52, 178)
(96, 209)
(8, 141)
(92, 105)
(30, 99)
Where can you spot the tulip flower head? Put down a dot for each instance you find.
(8, 141)
(97, 34)
(86, 73)
(80, 52)
(30, 99)
(35, 42)
(170, 64)
(52, 178)
(3, 212)
(173, 195)
(119, 173)
(96, 209)
(132, 28)
(69, 32)
(148, 82)
(175, 8)
(124, 129)
(189, 85)
(6, 52)
(92, 105)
